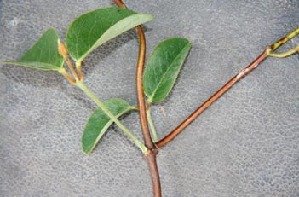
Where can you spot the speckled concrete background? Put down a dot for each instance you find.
(244, 145)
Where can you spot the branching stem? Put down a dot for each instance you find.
(63, 52)
(268, 51)
(77, 79)
(139, 87)
(67, 76)
(101, 105)
(152, 151)
(285, 54)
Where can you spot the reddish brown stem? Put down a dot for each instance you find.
(152, 152)
(139, 87)
(151, 158)
(120, 3)
(225, 88)
(211, 100)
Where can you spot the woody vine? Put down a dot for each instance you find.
(153, 81)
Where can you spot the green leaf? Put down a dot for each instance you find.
(92, 29)
(99, 122)
(163, 68)
(43, 54)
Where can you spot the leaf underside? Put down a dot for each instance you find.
(99, 122)
(43, 54)
(92, 29)
(163, 68)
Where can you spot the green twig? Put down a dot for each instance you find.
(91, 95)
(151, 125)
(285, 54)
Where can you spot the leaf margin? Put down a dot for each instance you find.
(129, 108)
(44, 66)
(100, 41)
(187, 47)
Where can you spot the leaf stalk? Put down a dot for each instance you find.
(151, 124)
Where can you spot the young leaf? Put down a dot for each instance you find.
(92, 29)
(43, 54)
(99, 122)
(163, 68)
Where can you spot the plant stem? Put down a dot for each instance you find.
(152, 151)
(285, 54)
(67, 76)
(139, 86)
(225, 88)
(63, 52)
(151, 158)
(151, 124)
(120, 4)
(101, 105)
(79, 70)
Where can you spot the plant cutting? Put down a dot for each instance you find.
(153, 81)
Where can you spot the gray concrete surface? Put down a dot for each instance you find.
(244, 145)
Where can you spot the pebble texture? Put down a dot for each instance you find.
(246, 144)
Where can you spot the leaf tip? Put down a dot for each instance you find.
(150, 16)
(86, 150)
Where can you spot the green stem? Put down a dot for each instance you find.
(91, 95)
(285, 54)
(151, 125)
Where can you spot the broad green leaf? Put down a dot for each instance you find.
(99, 122)
(163, 68)
(92, 29)
(43, 54)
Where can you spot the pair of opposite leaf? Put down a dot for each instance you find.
(88, 32)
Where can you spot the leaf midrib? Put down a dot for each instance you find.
(98, 43)
(105, 128)
(27, 64)
(108, 124)
(150, 99)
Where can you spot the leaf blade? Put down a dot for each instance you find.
(163, 68)
(94, 28)
(98, 123)
(43, 54)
